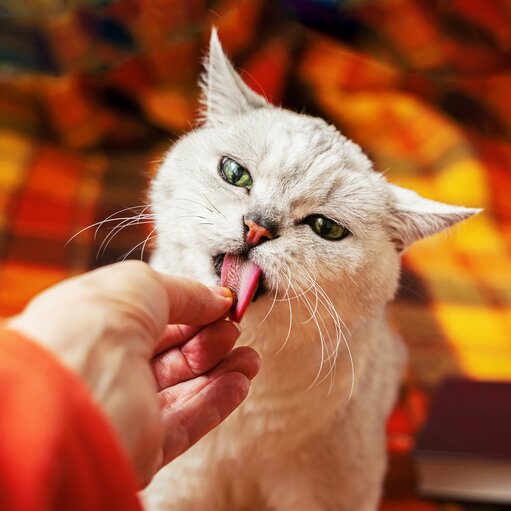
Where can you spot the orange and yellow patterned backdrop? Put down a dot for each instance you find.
(92, 91)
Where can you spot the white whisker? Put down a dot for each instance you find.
(113, 232)
(148, 238)
(339, 322)
(193, 202)
(109, 218)
(290, 315)
(143, 242)
(271, 307)
(314, 316)
(212, 205)
(331, 358)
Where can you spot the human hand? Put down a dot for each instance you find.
(108, 325)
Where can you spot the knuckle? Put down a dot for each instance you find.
(132, 270)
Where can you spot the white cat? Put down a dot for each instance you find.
(288, 196)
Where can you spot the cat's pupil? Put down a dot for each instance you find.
(234, 173)
(324, 226)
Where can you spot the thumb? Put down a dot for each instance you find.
(193, 303)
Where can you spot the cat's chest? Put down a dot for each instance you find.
(280, 414)
(295, 386)
(299, 358)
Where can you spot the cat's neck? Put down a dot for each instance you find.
(319, 353)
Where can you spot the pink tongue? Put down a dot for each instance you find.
(242, 276)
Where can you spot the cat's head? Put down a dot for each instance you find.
(287, 192)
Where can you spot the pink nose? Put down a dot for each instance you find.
(256, 233)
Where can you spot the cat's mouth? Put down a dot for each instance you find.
(242, 276)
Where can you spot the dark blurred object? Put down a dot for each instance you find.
(331, 17)
(464, 450)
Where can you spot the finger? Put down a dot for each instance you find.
(185, 423)
(200, 354)
(175, 335)
(242, 360)
(193, 408)
(194, 303)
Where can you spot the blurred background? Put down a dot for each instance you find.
(92, 92)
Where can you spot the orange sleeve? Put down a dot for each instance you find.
(57, 450)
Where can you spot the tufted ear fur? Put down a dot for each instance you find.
(415, 217)
(224, 93)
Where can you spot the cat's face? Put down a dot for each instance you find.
(333, 221)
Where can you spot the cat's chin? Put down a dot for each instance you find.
(218, 261)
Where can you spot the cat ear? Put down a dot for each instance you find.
(223, 91)
(415, 217)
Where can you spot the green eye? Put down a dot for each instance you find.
(234, 173)
(326, 228)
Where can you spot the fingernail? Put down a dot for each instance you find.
(225, 292)
(237, 325)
